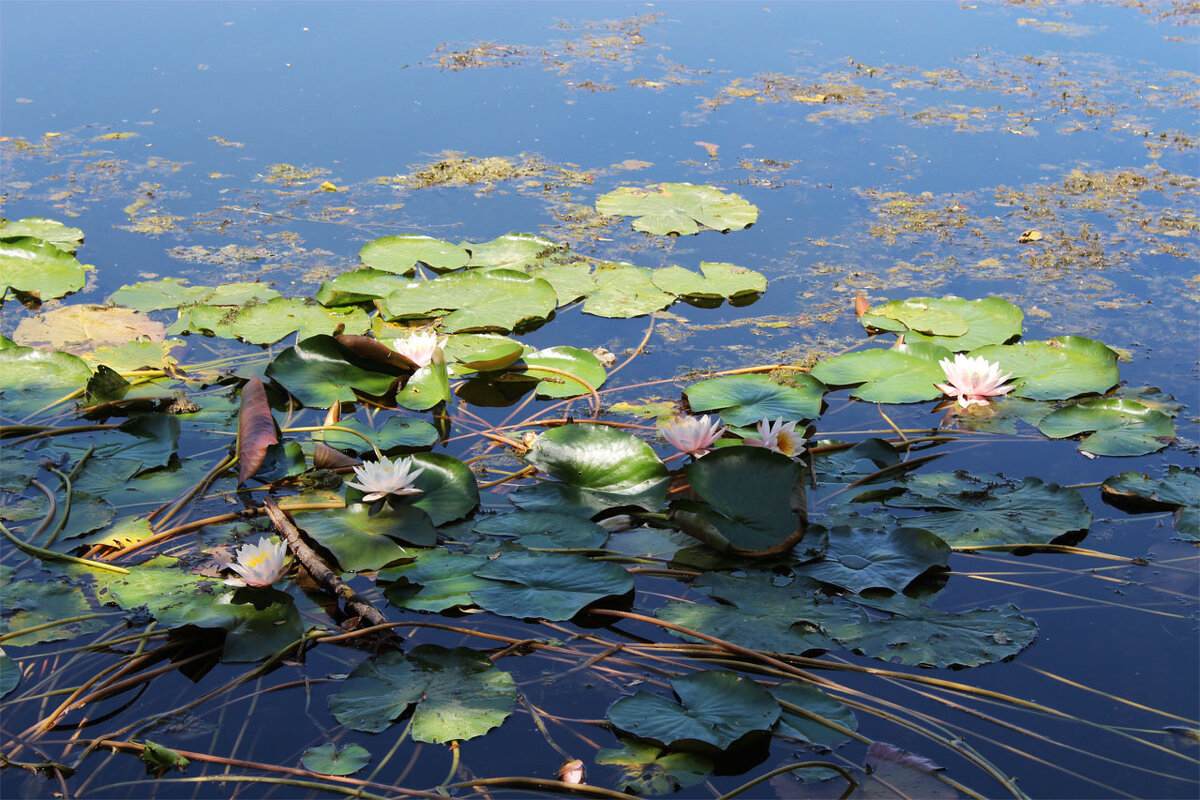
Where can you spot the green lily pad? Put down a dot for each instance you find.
(717, 708)
(10, 674)
(436, 580)
(954, 323)
(1178, 489)
(932, 638)
(854, 463)
(31, 600)
(362, 541)
(38, 268)
(426, 387)
(267, 323)
(544, 530)
(159, 294)
(611, 466)
(989, 509)
(397, 433)
(571, 281)
(745, 400)
(749, 495)
(1055, 369)
(680, 208)
(459, 694)
(719, 281)
(511, 251)
(905, 373)
(326, 759)
(359, 286)
(24, 368)
(401, 254)
(475, 300)
(64, 237)
(648, 768)
(759, 613)
(320, 371)
(1118, 427)
(552, 586)
(483, 352)
(448, 488)
(623, 291)
(871, 559)
(805, 728)
(584, 372)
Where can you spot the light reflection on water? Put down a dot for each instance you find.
(355, 88)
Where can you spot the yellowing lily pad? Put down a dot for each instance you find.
(679, 208)
(82, 328)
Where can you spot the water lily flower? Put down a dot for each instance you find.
(571, 771)
(383, 477)
(259, 564)
(691, 435)
(418, 347)
(779, 436)
(972, 380)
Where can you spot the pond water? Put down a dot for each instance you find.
(1026, 636)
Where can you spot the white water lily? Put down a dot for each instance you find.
(377, 479)
(779, 436)
(691, 435)
(972, 380)
(419, 347)
(259, 564)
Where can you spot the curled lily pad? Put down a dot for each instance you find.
(747, 399)
(1178, 489)
(483, 352)
(905, 373)
(1117, 427)
(428, 386)
(320, 371)
(716, 708)
(679, 208)
(989, 509)
(401, 254)
(459, 694)
(954, 323)
(38, 269)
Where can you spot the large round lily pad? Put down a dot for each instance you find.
(718, 281)
(401, 254)
(905, 373)
(870, 559)
(1117, 427)
(933, 638)
(1055, 369)
(747, 399)
(475, 300)
(553, 586)
(603, 460)
(954, 323)
(64, 237)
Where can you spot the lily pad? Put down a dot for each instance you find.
(472, 300)
(326, 759)
(545, 530)
(397, 433)
(564, 371)
(320, 372)
(359, 286)
(401, 254)
(651, 769)
(10, 674)
(459, 694)
(511, 251)
(718, 281)
(552, 586)
(267, 323)
(1178, 489)
(1118, 427)
(448, 488)
(30, 600)
(82, 328)
(905, 373)
(715, 708)
(745, 400)
(158, 294)
(29, 368)
(954, 323)
(933, 638)
(612, 466)
(1055, 369)
(435, 580)
(809, 698)
(679, 208)
(985, 509)
(483, 352)
(362, 541)
(623, 291)
(64, 237)
(871, 559)
(38, 268)
(428, 386)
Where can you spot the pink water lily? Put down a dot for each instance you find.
(259, 564)
(378, 479)
(691, 435)
(973, 380)
(779, 436)
(418, 347)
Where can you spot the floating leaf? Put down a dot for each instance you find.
(435, 580)
(564, 371)
(651, 769)
(483, 352)
(81, 328)
(64, 237)
(511, 251)
(905, 373)
(459, 694)
(717, 708)
(428, 386)
(448, 489)
(256, 429)
(360, 540)
(401, 254)
(954, 323)
(719, 281)
(605, 466)
(10, 674)
(570, 281)
(1118, 427)
(1055, 369)
(546, 530)
(897, 774)
(320, 372)
(806, 729)
(267, 323)
(552, 586)
(1178, 489)
(397, 433)
(745, 400)
(871, 559)
(680, 208)
(159, 294)
(989, 509)
(359, 286)
(623, 291)
(33, 600)
(928, 637)
(326, 759)
(38, 268)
